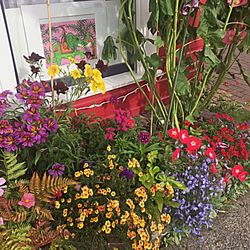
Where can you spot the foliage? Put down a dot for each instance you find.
(198, 42)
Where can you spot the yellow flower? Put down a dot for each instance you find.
(108, 189)
(108, 230)
(97, 75)
(130, 203)
(65, 212)
(77, 174)
(85, 165)
(79, 205)
(113, 193)
(140, 174)
(107, 223)
(80, 225)
(88, 72)
(57, 204)
(76, 74)
(69, 200)
(72, 59)
(53, 70)
(62, 200)
(93, 86)
(166, 218)
(108, 148)
(160, 228)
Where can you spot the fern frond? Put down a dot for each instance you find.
(14, 170)
(43, 213)
(49, 186)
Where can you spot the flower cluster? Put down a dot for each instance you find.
(124, 121)
(94, 77)
(196, 208)
(28, 127)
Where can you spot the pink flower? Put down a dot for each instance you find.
(210, 153)
(2, 181)
(110, 134)
(183, 136)
(173, 133)
(176, 154)
(28, 200)
(1, 221)
(237, 3)
(229, 37)
(226, 178)
(236, 170)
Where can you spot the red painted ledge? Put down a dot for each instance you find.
(128, 98)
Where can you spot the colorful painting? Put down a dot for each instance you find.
(76, 39)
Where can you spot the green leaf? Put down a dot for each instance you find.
(176, 184)
(166, 7)
(172, 203)
(109, 49)
(183, 86)
(159, 43)
(37, 157)
(159, 201)
(211, 55)
(190, 118)
(154, 61)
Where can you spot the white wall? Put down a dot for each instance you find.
(7, 74)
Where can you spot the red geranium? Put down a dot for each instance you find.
(193, 144)
(236, 170)
(210, 153)
(229, 37)
(176, 154)
(213, 168)
(183, 136)
(226, 178)
(242, 176)
(173, 133)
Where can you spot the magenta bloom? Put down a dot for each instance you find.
(1, 221)
(229, 37)
(51, 125)
(124, 120)
(37, 89)
(31, 115)
(35, 101)
(4, 95)
(110, 134)
(28, 200)
(27, 139)
(56, 170)
(10, 143)
(5, 127)
(2, 181)
(144, 137)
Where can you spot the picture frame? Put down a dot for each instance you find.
(64, 14)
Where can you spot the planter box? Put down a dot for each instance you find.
(128, 98)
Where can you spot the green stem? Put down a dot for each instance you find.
(126, 60)
(229, 14)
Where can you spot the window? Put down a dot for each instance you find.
(24, 19)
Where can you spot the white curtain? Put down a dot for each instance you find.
(18, 3)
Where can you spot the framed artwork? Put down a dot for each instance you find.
(75, 39)
(78, 31)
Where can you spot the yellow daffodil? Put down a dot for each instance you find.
(53, 70)
(88, 72)
(76, 74)
(97, 75)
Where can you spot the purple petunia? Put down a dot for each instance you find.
(144, 137)
(127, 173)
(5, 127)
(57, 169)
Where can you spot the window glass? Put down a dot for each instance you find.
(79, 29)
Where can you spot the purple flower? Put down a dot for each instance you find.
(27, 139)
(5, 127)
(51, 125)
(31, 115)
(10, 143)
(4, 94)
(35, 101)
(36, 89)
(144, 137)
(127, 173)
(2, 181)
(56, 170)
(113, 99)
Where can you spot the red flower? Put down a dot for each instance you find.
(242, 176)
(226, 178)
(213, 168)
(203, 1)
(210, 153)
(193, 144)
(242, 126)
(176, 154)
(236, 170)
(187, 123)
(173, 133)
(229, 37)
(183, 136)
(237, 3)
(160, 135)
